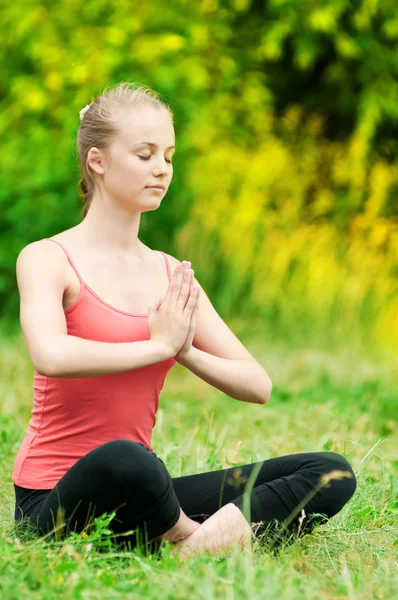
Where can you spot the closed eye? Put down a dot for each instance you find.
(148, 157)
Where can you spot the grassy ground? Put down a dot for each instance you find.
(343, 401)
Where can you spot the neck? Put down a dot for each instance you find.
(111, 229)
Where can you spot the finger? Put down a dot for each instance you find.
(177, 272)
(195, 304)
(197, 301)
(195, 312)
(193, 317)
(185, 289)
(192, 300)
(186, 264)
(157, 302)
(175, 285)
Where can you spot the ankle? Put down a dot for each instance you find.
(224, 529)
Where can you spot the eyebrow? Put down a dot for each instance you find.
(151, 144)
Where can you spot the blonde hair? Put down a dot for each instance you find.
(99, 126)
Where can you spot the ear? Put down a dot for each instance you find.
(95, 160)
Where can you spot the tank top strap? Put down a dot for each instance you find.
(81, 278)
(167, 264)
(69, 258)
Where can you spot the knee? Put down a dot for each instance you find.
(112, 459)
(124, 462)
(335, 467)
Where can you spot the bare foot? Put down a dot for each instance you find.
(224, 529)
(182, 529)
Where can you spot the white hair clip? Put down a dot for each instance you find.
(84, 110)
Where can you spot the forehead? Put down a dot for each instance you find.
(146, 124)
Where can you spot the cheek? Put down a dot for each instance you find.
(132, 169)
(137, 166)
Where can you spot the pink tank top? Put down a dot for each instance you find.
(72, 416)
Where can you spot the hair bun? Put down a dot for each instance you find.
(84, 110)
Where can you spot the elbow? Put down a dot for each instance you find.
(42, 369)
(45, 367)
(51, 371)
(266, 394)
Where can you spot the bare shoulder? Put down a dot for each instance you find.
(40, 248)
(40, 257)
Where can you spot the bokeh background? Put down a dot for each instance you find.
(285, 189)
(285, 200)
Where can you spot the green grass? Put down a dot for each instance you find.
(340, 400)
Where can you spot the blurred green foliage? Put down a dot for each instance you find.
(285, 178)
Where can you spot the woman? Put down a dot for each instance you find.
(101, 360)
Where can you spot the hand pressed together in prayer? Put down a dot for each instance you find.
(186, 348)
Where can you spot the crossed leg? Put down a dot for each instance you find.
(213, 509)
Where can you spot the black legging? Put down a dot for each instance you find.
(127, 477)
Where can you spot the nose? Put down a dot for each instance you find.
(162, 167)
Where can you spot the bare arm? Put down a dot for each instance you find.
(218, 357)
(78, 357)
(41, 284)
(242, 379)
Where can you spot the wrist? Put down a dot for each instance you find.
(162, 350)
(187, 358)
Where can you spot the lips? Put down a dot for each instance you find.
(160, 187)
